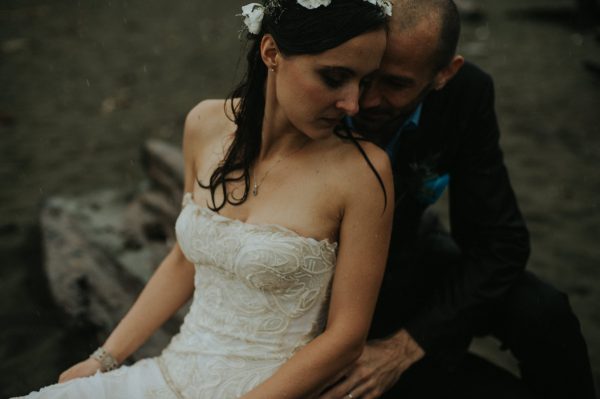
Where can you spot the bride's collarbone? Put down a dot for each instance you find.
(306, 217)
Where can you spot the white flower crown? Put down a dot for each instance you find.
(253, 13)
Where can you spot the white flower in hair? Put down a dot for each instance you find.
(386, 6)
(310, 4)
(253, 14)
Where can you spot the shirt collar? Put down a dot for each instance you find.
(409, 124)
(414, 119)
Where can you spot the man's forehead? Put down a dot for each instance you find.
(409, 52)
(399, 63)
(420, 39)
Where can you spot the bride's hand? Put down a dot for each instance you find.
(82, 369)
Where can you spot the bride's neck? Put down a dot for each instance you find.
(279, 136)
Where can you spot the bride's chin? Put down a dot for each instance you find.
(326, 127)
(320, 133)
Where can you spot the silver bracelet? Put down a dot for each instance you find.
(107, 361)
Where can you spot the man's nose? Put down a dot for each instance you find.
(349, 102)
(370, 96)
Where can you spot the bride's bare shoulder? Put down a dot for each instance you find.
(207, 127)
(208, 120)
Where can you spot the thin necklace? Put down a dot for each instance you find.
(256, 184)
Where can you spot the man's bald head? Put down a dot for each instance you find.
(420, 57)
(441, 16)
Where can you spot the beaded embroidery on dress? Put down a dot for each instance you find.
(261, 293)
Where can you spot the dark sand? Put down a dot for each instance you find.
(83, 84)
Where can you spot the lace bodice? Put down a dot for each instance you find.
(261, 294)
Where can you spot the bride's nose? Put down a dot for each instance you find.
(349, 100)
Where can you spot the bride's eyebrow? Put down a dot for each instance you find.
(338, 70)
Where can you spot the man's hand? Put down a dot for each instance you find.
(378, 369)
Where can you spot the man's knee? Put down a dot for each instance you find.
(535, 313)
(538, 304)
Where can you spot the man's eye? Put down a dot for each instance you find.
(394, 84)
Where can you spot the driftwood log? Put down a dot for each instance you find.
(100, 249)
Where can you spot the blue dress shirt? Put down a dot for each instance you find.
(433, 185)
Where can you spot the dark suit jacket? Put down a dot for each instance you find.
(458, 135)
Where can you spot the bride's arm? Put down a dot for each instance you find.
(173, 281)
(171, 285)
(169, 288)
(364, 238)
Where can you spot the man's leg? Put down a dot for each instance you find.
(454, 374)
(536, 322)
(472, 378)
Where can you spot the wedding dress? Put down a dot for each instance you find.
(261, 293)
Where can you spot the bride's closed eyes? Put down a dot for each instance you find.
(335, 77)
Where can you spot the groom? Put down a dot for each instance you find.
(434, 114)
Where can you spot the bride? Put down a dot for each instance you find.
(278, 194)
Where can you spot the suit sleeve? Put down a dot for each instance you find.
(487, 226)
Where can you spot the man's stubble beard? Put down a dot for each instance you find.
(382, 131)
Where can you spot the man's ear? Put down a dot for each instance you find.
(448, 72)
(269, 51)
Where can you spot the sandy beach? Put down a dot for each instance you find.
(83, 84)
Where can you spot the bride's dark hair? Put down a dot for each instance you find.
(296, 30)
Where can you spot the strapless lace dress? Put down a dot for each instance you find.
(261, 293)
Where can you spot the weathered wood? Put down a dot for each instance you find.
(163, 164)
(100, 249)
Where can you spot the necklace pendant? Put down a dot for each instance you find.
(255, 189)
